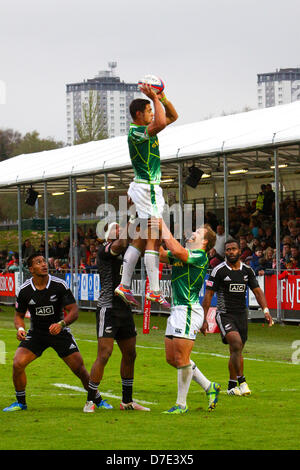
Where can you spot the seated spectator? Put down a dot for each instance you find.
(82, 266)
(214, 258)
(13, 265)
(286, 253)
(27, 250)
(245, 250)
(248, 260)
(295, 254)
(256, 262)
(57, 266)
(53, 249)
(220, 241)
(51, 263)
(269, 253)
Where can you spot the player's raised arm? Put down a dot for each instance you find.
(172, 244)
(171, 113)
(159, 121)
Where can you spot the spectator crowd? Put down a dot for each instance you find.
(253, 225)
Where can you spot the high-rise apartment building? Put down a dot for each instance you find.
(280, 87)
(114, 97)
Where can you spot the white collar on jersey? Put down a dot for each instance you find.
(48, 283)
(241, 266)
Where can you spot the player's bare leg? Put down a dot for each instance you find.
(105, 348)
(22, 358)
(151, 258)
(236, 364)
(128, 350)
(75, 363)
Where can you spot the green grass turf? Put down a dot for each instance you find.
(268, 419)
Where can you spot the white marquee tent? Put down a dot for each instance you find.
(255, 140)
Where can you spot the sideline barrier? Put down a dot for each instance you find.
(89, 286)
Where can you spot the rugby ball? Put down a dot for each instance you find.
(155, 82)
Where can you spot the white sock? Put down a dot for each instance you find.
(199, 377)
(151, 260)
(184, 378)
(131, 257)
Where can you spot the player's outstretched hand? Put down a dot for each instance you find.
(148, 91)
(268, 317)
(204, 328)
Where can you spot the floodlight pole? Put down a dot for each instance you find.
(277, 223)
(46, 222)
(20, 236)
(105, 193)
(226, 222)
(71, 233)
(180, 197)
(75, 238)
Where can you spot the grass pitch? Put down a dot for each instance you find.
(267, 420)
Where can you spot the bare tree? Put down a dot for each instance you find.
(92, 125)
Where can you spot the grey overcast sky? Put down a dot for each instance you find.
(208, 52)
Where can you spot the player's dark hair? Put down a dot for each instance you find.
(136, 105)
(32, 257)
(232, 241)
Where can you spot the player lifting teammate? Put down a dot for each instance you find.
(230, 280)
(189, 266)
(145, 191)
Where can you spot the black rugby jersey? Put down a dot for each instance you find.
(231, 287)
(109, 268)
(46, 305)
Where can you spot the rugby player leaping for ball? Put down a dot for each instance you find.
(145, 191)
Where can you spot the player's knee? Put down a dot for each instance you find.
(104, 355)
(19, 364)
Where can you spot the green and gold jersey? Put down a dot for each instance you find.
(188, 278)
(144, 155)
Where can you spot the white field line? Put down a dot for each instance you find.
(222, 356)
(109, 395)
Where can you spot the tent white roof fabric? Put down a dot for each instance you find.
(249, 130)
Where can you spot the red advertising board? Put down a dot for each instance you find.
(7, 285)
(290, 292)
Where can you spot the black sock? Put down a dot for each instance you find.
(21, 397)
(92, 391)
(232, 384)
(241, 379)
(127, 385)
(98, 398)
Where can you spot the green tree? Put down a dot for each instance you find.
(92, 125)
(31, 143)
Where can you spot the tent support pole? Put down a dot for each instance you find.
(46, 222)
(180, 196)
(75, 235)
(20, 236)
(277, 224)
(71, 233)
(226, 222)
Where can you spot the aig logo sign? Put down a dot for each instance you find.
(237, 287)
(43, 311)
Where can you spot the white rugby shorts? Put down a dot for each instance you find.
(148, 199)
(185, 321)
